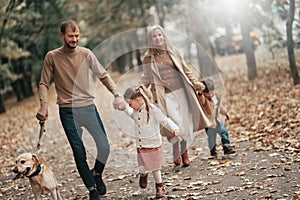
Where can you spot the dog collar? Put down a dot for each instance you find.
(37, 171)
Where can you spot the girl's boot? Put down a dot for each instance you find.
(160, 190)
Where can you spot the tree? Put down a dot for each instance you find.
(247, 41)
(200, 32)
(6, 14)
(290, 43)
(29, 29)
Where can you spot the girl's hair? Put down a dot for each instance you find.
(151, 48)
(139, 91)
(68, 23)
(209, 85)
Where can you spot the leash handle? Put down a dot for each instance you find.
(42, 121)
(41, 117)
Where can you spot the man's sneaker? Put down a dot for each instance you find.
(228, 150)
(100, 184)
(94, 195)
(213, 152)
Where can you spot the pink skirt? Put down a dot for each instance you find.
(150, 158)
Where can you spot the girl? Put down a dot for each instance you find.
(147, 118)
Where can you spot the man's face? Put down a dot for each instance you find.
(71, 37)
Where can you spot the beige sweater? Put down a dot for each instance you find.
(76, 73)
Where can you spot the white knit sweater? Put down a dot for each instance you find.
(148, 133)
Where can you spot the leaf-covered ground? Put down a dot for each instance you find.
(264, 129)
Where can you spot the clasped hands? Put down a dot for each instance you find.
(119, 103)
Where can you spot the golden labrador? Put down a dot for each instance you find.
(41, 177)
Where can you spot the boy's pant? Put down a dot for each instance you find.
(212, 135)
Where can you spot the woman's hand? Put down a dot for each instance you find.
(200, 88)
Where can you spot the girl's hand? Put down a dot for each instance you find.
(176, 133)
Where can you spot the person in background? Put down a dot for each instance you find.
(173, 86)
(212, 107)
(147, 118)
(75, 69)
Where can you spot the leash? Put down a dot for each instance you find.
(42, 121)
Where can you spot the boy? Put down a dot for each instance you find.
(211, 105)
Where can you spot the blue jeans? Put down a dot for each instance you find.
(73, 119)
(211, 133)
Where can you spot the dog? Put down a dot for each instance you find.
(41, 177)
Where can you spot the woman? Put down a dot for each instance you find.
(173, 87)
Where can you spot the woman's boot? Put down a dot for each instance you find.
(184, 154)
(185, 159)
(176, 154)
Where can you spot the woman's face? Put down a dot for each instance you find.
(158, 39)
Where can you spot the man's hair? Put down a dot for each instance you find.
(209, 85)
(68, 23)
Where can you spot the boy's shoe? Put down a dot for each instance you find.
(228, 150)
(94, 195)
(143, 180)
(100, 184)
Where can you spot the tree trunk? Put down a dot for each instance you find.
(28, 91)
(7, 11)
(248, 44)
(139, 59)
(121, 63)
(17, 87)
(199, 33)
(2, 107)
(290, 43)
(130, 60)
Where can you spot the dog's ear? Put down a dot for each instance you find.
(35, 158)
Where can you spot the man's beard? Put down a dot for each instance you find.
(71, 47)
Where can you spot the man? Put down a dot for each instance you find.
(76, 71)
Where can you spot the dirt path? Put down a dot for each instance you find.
(259, 170)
